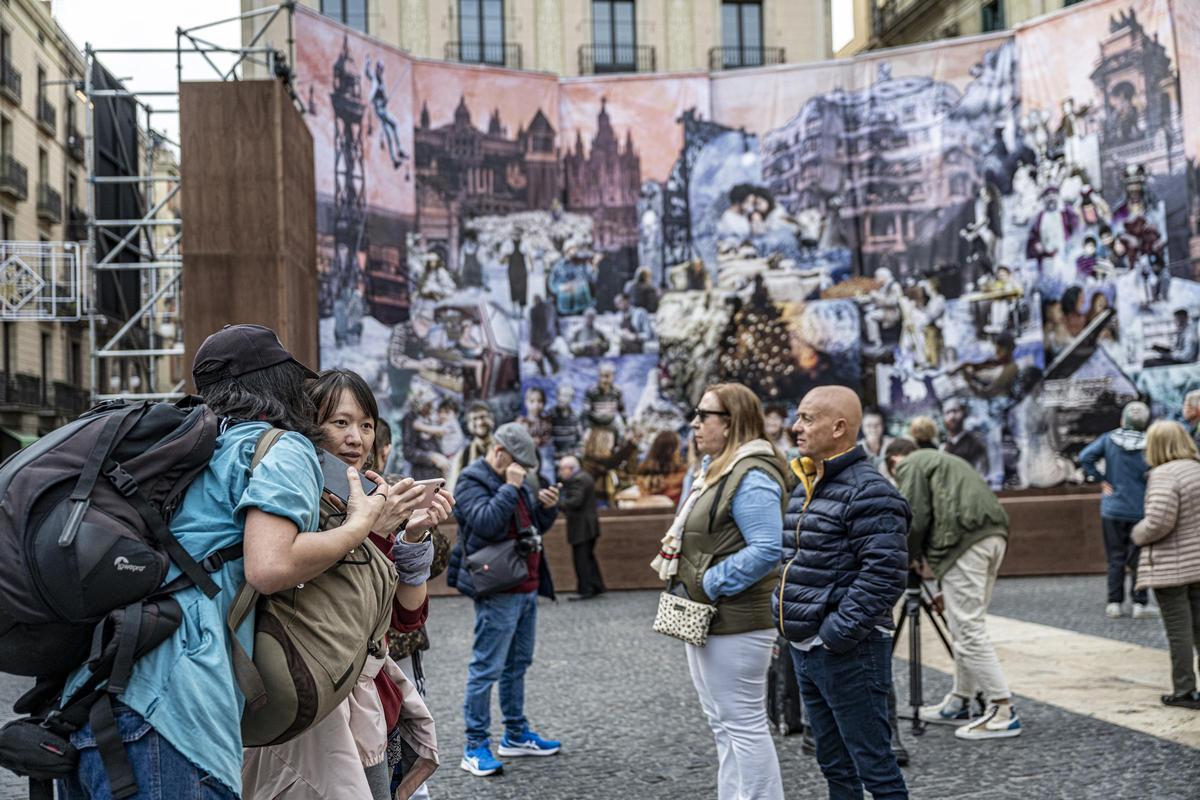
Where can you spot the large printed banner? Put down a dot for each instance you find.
(1000, 233)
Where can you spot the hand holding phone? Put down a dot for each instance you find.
(333, 471)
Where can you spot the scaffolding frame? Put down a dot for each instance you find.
(159, 265)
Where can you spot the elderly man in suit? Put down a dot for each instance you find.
(583, 529)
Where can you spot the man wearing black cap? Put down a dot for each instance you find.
(495, 505)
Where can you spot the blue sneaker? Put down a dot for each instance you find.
(480, 761)
(528, 744)
(953, 710)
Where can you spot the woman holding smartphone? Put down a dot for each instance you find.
(345, 755)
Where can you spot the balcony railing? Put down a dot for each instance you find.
(10, 81)
(21, 390)
(500, 54)
(47, 116)
(70, 400)
(77, 230)
(75, 144)
(14, 178)
(595, 59)
(49, 204)
(737, 57)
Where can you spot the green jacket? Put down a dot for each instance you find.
(953, 508)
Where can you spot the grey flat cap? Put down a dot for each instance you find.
(515, 438)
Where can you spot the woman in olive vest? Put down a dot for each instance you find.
(724, 547)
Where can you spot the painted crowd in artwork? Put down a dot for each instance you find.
(1002, 242)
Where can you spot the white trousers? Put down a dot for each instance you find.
(967, 588)
(730, 675)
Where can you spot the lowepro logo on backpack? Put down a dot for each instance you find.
(123, 564)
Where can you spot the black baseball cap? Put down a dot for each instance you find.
(239, 350)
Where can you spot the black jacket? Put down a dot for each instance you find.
(579, 504)
(851, 562)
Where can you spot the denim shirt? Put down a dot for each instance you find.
(185, 688)
(756, 510)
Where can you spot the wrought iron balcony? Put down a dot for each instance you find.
(75, 144)
(737, 57)
(596, 59)
(10, 81)
(14, 178)
(21, 390)
(499, 54)
(49, 204)
(47, 116)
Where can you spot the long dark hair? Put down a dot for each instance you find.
(274, 394)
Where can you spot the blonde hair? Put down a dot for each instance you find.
(923, 430)
(745, 424)
(1168, 441)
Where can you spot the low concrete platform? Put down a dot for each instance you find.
(1053, 533)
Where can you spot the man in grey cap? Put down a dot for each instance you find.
(496, 504)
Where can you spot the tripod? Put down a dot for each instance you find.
(918, 598)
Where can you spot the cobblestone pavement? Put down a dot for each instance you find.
(620, 698)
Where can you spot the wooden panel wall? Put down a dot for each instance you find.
(250, 214)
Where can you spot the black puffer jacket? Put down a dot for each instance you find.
(852, 560)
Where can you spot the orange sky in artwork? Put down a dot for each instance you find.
(517, 96)
(646, 106)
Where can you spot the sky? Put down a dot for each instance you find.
(148, 24)
(842, 23)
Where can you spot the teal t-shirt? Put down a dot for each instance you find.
(185, 687)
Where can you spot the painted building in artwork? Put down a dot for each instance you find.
(464, 172)
(605, 183)
(1141, 121)
(884, 156)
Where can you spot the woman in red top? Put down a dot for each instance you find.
(344, 756)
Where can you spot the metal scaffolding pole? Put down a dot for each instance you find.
(158, 262)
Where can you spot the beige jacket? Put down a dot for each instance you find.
(1170, 531)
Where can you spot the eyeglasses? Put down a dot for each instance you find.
(705, 413)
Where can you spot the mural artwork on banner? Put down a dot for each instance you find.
(999, 233)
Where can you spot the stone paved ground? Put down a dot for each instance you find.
(620, 697)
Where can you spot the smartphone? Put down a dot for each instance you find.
(334, 471)
(432, 487)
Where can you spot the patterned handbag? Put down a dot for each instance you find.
(682, 617)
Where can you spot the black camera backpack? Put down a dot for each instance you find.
(84, 516)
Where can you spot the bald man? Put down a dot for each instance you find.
(845, 560)
(583, 528)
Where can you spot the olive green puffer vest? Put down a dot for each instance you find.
(710, 536)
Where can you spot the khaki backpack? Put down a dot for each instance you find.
(310, 641)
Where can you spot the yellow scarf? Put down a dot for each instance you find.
(805, 469)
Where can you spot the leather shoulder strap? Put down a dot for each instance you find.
(266, 441)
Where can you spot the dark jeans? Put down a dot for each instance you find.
(587, 569)
(505, 631)
(846, 704)
(1122, 554)
(161, 771)
(1180, 607)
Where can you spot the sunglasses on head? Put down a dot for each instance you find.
(705, 413)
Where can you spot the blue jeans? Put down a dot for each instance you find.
(161, 771)
(505, 626)
(846, 704)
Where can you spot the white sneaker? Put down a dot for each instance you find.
(1145, 612)
(1113, 611)
(953, 710)
(998, 722)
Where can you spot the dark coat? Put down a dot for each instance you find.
(851, 564)
(579, 504)
(484, 507)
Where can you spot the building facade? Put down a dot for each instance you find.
(42, 184)
(891, 23)
(581, 37)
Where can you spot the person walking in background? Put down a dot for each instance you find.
(845, 567)
(583, 528)
(1169, 536)
(723, 548)
(496, 504)
(960, 529)
(1124, 485)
